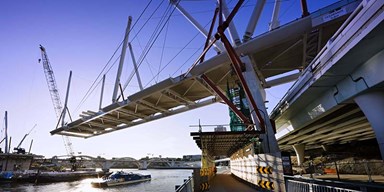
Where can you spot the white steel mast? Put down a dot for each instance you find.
(122, 57)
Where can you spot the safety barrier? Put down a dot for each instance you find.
(299, 186)
(187, 186)
(262, 170)
(304, 184)
(364, 170)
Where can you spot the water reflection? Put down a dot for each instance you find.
(163, 180)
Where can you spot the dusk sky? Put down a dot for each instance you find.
(82, 36)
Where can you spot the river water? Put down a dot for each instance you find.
(163, 180)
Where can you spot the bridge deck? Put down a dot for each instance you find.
(278, 51)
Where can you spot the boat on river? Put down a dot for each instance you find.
(17, 166)
(120, 178)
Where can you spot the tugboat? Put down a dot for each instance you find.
(120, 178)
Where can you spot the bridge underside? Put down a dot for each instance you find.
(347, 123)
(288, 48)
(321, 108)
(223, 143)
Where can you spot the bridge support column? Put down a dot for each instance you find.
(372, 105)
(143, 165)
(269, 142)
(106, 165)
(299, 149)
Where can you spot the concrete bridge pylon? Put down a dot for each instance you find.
(372, 105)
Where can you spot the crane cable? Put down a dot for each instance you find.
(92, 89)
(203, 45)
(156, 33)
(287, 9)
(174, 57)
(182, 49)
(179, 53)
(136, 34)
(152, 40)
(150, 17)
(146, 60)
(93, 86)
(162, 50)
(144, 53)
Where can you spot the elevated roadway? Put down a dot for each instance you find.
(339, 98)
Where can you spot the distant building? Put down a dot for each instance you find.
(220, 128)
(191, 157)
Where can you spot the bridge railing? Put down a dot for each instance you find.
(304, 184)
(338, 176)
(321, 59)
(362, 170)
(187, 186)
(293, 185)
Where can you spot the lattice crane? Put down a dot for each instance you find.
(55, 96)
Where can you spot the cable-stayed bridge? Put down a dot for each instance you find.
(336, 55)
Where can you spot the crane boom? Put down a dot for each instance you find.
(51, 81)
(55, 96)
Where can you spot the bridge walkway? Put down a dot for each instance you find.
(225, 182)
